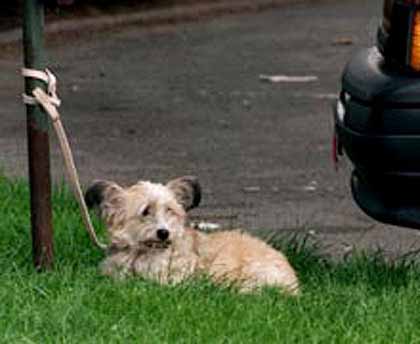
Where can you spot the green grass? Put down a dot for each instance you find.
(362, 300)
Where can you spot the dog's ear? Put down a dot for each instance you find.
(99, 191)
(108, 198)
(187, 191)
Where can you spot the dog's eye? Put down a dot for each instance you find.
(146, 211)
(172, 211)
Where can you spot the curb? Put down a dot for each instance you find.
(150, 18)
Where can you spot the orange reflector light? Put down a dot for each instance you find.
(415, 44)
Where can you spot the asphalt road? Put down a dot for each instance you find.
(155, 103)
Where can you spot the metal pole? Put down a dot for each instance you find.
(38, 141)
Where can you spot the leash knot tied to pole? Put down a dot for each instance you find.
(49, 102)
(49, 79)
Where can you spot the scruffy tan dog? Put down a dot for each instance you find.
(148, 237)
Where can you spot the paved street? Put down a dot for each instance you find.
(165, 101)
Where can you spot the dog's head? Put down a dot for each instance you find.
(145, 214)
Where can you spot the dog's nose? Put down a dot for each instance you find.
(162, 234)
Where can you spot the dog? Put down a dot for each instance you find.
(146, 224)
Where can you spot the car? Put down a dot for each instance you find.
(377, 118)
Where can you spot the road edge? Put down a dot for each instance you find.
(150, 18)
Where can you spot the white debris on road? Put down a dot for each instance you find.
(206, 226)
(287, 78)
(332, 96)
(251, 189)
(312, 186)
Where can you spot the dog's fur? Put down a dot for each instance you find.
(134, 215)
